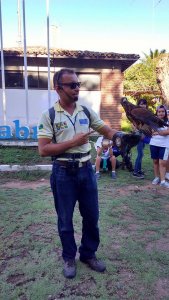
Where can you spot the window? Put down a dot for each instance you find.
(89, 81)
(14, 79)
(43, 80)
(32, 79)
(38, 79)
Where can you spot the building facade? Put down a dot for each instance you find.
(101, 75)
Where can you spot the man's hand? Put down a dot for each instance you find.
(80, 139)
(124, 142)
(122, 139)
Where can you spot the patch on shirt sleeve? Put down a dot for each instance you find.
(40, 126)
(83, 121)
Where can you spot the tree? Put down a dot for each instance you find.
(154, 54)
(142, 77)
(162, 73)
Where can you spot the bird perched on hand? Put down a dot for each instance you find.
(143, 119)
(124, 142)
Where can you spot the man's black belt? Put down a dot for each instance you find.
(71, 155)
(66, 163)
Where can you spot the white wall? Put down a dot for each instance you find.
(37, 103)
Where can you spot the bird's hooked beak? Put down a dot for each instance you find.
(123, 100)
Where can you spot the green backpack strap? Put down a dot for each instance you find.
(52, 118)
(52, 115)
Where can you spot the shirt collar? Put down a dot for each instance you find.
(59, 108)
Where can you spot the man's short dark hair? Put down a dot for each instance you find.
(58, 75)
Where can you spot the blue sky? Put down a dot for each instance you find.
(126, 26)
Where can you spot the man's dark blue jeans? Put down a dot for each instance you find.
(68, 188)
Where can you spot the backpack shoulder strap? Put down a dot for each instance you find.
(52, 118)
(52, 115)
(87, 113)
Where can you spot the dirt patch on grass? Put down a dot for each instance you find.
(162, 289)
(161, 244)
(19, 184)
(157, 190)
(122, 191)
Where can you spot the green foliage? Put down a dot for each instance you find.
(142, 76)
(126, 125)
(154, 54)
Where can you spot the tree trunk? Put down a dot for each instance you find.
(162, 72)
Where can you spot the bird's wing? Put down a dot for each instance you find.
(141, 114)
(146, 130)
(147, 117)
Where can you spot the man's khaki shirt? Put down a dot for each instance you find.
(66, 126)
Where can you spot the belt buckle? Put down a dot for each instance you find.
(73, 164)
(80, 164)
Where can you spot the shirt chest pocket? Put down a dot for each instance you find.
(84, 122)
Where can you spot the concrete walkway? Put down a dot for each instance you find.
(17, 168)
(18, 143)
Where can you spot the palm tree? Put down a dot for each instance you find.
(154, 54)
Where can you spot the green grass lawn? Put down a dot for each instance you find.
(134, 232)
(29, 155)
(21, 155)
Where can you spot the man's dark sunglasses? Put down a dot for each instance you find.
(72, 85)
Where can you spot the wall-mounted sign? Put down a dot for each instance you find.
(18, 132)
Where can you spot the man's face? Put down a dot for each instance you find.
(69, 87)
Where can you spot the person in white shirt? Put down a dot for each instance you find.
(167, 169)
(105, 158)
(159, 148)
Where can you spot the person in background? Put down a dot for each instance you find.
(167, 170)
(72, 177)
(105, 158)
(159, 148)
(138, 172)
(168, 114)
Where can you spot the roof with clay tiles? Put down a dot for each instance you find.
(75, 58)
(70, 53)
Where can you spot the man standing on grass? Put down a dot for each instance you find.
(72, 176)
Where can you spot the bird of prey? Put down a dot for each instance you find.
(124, 142)
(143, 119)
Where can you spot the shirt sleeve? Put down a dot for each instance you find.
(98, 142)
(96, 122)
(45, 129)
